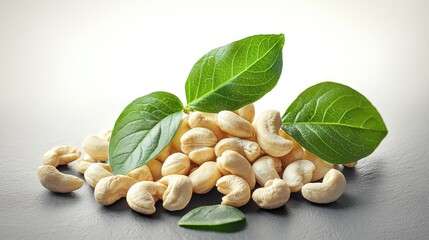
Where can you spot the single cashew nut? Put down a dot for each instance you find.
(178, 193)
(298, 173)
(142, 196)
(297, 152)
(204, 178)
(163, 155)
(61, 155)
(322, 167)
(183, 127)
(82, 165)
(96, 147)
(202, 155)
(206, 120)
(248, 149)
(267, 125)
(333, 186)
(95, 172)
(235, 125)
(273, 195)
(350, 165)
(247, 112)
(233, 163)
(54, 180)
(110, 189)
(141, 174)
(266, 168)
(197, 138)
(155, 167)
(235, 189)
(106, 135)
(176, 163)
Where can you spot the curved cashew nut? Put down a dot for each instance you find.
(235, 125)
(297, 152)
(266, 168)
(141, 174)
(54, 180)
(204, 177)
(61, 155)
(110, 189)
(322, 167)
(273, 195)
(206, 120)
(83, 164)
(183, 127)
(95, 172)
(155, 167)
(142, 196)
(163, 155)
(178, 192)
(247, 112)
(233, 163)
(197, 138)
(176, 163)
(267, 125)
(202, 155)
(96, 147)
(235, 189)
(248, 149)
(333, 186)
(298, 173)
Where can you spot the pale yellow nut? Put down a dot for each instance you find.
(235, 125)
(110, 189)
(204, 178)
(350, 165)
(202, 155)
(266, 168)
(235, 189)
(82, 165)
(155, 167)
(197, 138)
(96, 147)
(142, 196)
(267, 125)
(297, 152)
(88, 158)
(233, 163)
(248, 149)
(95, 172)
(247, 112)
(333, 186)
(206, 120)
(176, 163)
(141, 174)
(298, 173)
(61, 155)
(178, 192)
(106, 135)
(273, 195)
(183, 127)
(55, 181)
(322, 167)
(163, 155)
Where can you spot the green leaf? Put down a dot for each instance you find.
(235, 75)
(212, 216)
(144, 128)
(334, 122)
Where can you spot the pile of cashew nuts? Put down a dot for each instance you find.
(243, 156)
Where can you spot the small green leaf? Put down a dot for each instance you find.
(210, 216)
(334, 122)
(235, 75)
(144, 128)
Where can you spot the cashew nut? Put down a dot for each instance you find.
(61, 155)
(155, 167)
(95, 172)
(204, 178)
(350, 165)
(202, 155)
(298, 173)
(297, 152)
(266, 168)
(163, 155)
(235, 189)
(235, 125)
(110, 189)
(231, 162)
(176, 163)
(333, 186)
(206, 120)
(267, 125)
(183, 127)
(248, 149)
(106, 135)
(273, 195)
(247, 112)
(197, 138)
(322, 167)
(96, 147)
(54, 180)
(82, 165)
(141, 174)
(178, 193)
(142, 196)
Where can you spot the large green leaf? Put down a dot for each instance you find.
(334, 122)
(235, 75)
(144, 128)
